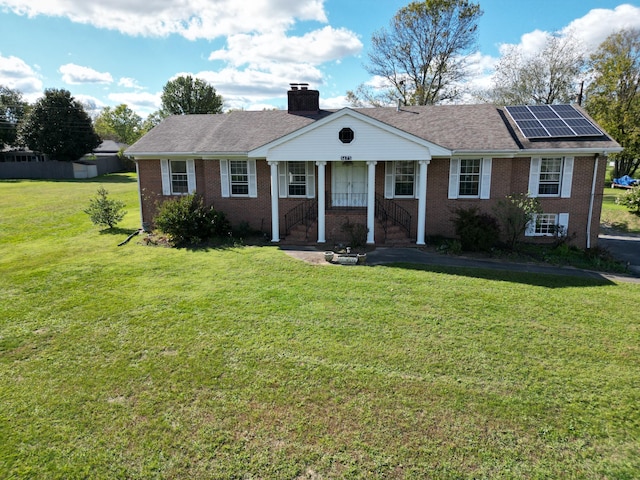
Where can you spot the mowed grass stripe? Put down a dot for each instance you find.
(241, 362)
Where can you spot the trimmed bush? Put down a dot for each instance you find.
(477, 231)
(186, 220)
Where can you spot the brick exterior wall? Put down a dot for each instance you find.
(509, 175)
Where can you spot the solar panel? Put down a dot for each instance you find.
(552, 121)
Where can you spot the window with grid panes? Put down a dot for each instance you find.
(546, 224)
(404, 178)
(470, 177)
(550, 175)
(297, 179)
(239, 174)
(179, 183)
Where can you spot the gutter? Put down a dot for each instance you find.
(591, 200)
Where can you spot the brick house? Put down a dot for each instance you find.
(301, 174)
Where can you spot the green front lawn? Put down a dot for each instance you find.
(616, 216)
(242, 362)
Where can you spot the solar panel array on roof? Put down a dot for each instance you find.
(552, 121)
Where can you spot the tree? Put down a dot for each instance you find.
(186, 95)
(105, 211)
(152, 120)
(421, 56)
(613, 97)
(546, 77)
(120, 124)
(12, 111)
(515, 212)
(59, 126)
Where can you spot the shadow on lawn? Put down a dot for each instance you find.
(577, 278)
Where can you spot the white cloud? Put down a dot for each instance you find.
(143, 103)
(129, 83)
(192, 19)
(76, 75)
(316, 47)
(16, 74)
(592, 29)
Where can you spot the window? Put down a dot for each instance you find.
(179, 184)
(346, 135)
(297, 179)
(238, 178)
(551, 176)
(405, 173)
(548, 225)
(470, 178)
(545, 224)
(178, 176)
(401, 179)
(239, 174)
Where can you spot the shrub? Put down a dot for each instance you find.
(357, 233)
(105, 211)
(477, 231)
(515, 212)
(186, 220)
(631, 200)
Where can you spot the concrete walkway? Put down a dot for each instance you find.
(383, 256)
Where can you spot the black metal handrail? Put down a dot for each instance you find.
(386, 210)
(304, 213)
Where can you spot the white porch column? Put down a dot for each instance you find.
(321, 202)
(371, 200)
(422, 200)
(275, 215)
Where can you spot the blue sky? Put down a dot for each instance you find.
(109, 52)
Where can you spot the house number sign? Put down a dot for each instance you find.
(345, 158)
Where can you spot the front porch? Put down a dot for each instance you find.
(393, 224)
(346, 195)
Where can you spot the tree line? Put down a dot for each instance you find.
(422, 58)
(59, 126)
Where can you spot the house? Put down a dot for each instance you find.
(302, 174)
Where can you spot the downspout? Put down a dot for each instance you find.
(142, 226)
(593, 194)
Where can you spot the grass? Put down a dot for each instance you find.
(618, 217)
(241, 362)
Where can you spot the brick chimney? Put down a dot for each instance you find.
(303, 101)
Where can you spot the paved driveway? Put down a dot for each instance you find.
(625, 248)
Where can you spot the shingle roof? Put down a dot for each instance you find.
(473, 128)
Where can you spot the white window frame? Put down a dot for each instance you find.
(391, 175)
(545, 225)
(167, 176)
(284, 180)
(484, 178)
(564, 184)
(226, 180)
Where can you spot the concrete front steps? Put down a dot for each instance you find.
(395, 236)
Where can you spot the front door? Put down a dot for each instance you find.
(349, 184)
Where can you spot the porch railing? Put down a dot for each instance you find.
(387, 211)
(347, 200)
(304, 213)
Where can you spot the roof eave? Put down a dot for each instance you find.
(183, 155)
